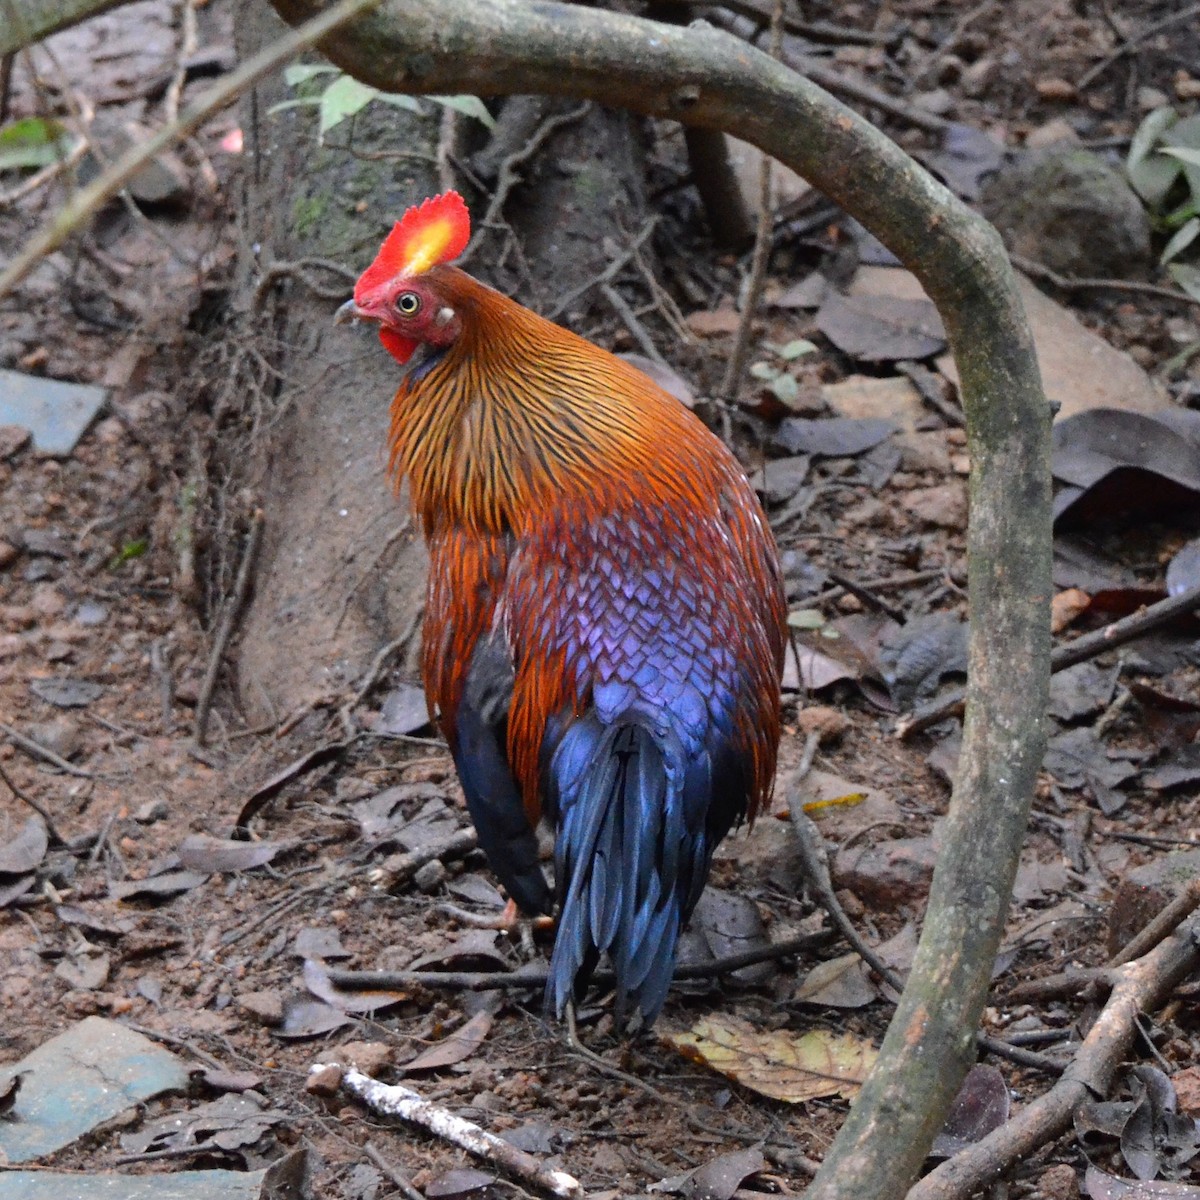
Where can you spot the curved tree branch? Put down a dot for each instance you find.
(703, 77)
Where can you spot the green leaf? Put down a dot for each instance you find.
(785, 388)
(805, 618)
(1148, 134)
(1152, 178)
(32, 142)
(299, 73)
(306, 102)
(469, 106)
(1188, 278)
(763, 370)
(341, 99)
(797, 348)
(400, 100)
(1183, 153)
(1184, 237)
(129, 551)
(1185, 135)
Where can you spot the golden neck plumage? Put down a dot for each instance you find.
(519, 412)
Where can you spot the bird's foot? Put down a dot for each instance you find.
(511, 922)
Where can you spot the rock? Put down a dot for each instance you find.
(827, 723)
(944, 505)
(1053, 133)
(431, 876)
(47, 600)
(1187, 87)
(266, 1006)
(718, 323)
(8, 554)
(1144, 891)
(59, 735)
(888, 874)
(1055, 89)
(1148, 99)
(1080, 370)
(324, 1080)
(1066, 606)
(924, 452)
(1050, 204)
(938, 101)
(12, 439)
(369, 1057)
(1058, 1182)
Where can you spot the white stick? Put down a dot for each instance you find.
(394, 1100)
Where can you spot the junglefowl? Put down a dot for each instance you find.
(605, 620)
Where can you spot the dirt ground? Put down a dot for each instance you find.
(99, 587)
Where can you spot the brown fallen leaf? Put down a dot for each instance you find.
(1066, 606)
(460, 1045)
(777, 1063)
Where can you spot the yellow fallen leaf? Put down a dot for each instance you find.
(846, 801)
(777, 1063)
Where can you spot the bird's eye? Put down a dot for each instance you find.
(408, 303)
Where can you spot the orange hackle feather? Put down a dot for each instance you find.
(585, 518)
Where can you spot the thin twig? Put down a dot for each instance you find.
(389, 1168)
(301, 268)
(609, 273)
(635, 327)
(1069, 283)
(1127, 629)
(507, 177)
(885, 583)
(40, 751)
(534, 978)
(862, 592)
(1139, 986)
(187, 47)
(1177, 911)
(225, 630)
(815, 869)
(762, 248)
(381, 659)
(933, 388)
(1019, 1055)
(89, 200)
(398, 1101)
(1133, 43)
(950, 44)
(56, 838)
(402, 867)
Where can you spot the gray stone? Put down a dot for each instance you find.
(56, 413)
(79, 1080)
(1069, 210)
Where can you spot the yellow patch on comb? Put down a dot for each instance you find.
(435, 231)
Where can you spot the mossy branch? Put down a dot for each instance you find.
(706, 78)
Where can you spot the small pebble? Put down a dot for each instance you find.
(431, 876)
(324, 1081)
(91, 613)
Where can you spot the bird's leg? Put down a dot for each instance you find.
(576, 1045)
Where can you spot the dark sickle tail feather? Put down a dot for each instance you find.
(625, 861)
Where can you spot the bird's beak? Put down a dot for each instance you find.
(350, 312)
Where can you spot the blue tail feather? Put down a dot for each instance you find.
(631, 856)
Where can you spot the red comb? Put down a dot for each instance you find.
(435, 231)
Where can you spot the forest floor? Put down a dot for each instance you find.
(133, 905)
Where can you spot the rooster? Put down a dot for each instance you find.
(605, 621)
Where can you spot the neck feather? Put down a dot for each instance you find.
(520, 412)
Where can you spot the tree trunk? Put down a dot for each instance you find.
(340, 575)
